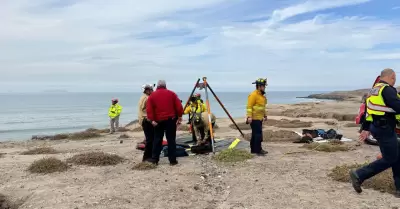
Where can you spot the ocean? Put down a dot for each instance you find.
(24, 115)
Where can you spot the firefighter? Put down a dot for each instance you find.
(256, 114)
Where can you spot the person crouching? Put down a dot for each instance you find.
(201, 123)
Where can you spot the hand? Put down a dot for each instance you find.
(249, 120)
(179, 121)
(154, 123)
(364, 135)
(265, 118)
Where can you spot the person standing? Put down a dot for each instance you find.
(147, 127)
(114, 112)
(256, 115)
(164, 110)
(382, 104)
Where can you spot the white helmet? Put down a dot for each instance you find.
(147, 86)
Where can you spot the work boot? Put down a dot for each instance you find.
(355, 181)
(264, 151)
(173, 163)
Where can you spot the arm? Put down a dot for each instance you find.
(391, 99)
(251, 101)
(266, 110)
(150, 109)
(187, 110)
(178, 106)
(204, 106)
(366, 124)
(119, 109)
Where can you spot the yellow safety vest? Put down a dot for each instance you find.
(375, 103)
(114, 110)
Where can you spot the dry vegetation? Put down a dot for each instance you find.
(2, 154)
(276, 136)
(382, 182)
(306, 113)
(84, 135)
(40, 151)
(331, 123)
(332, 146)
(242, 126)
(144, 166)
(233, 155)
(48, 165)
(124, 136)
(5, 203)
(96, 159)
(284, 123)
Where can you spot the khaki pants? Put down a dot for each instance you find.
(114, 124)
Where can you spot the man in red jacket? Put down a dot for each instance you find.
(164, 110)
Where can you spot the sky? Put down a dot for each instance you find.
(116, 46)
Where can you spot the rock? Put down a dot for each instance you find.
(42, 137)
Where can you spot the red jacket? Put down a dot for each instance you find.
(163, 104)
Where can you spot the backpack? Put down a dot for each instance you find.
(180, 151)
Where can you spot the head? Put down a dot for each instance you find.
(193, 98)
(161, 84)
(114, 101)
(389, 76)
(261, 83)
(197, 120)
(197, 95)
(147, 88)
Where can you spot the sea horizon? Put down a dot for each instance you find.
(48, 113)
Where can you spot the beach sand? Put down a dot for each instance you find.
(278, 180)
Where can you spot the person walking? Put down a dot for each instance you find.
(114, 112)
(147, 127)
(256, 115)
(164, 110)
(382, 114)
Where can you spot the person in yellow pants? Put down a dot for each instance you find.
(114, 112)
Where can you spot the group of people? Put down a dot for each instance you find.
(160, 111)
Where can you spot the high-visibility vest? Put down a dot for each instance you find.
(114, 110)
(375, 103)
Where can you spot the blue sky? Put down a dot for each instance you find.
(102, 45)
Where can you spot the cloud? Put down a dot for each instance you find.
(112, 46)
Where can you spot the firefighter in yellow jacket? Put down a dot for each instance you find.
(195, 106)
(256, 113)
(114, 112)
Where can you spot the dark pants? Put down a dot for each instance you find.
(256, 136)
(390, 149)
(169, 128)
(148, 130)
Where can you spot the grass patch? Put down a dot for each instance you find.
(144, 166)
(124, 136)
(382, 182)
(96, 159)
(242, 126)
(332, 146)
(351, 125)
(84, 135)
(60, 136)
(6, 203)
(40, 151)
(284, 123)
(100, 131)
(276, 136)
(48, 165)
(331, 123)
(233, 155)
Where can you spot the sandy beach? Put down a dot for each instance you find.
(288, 177)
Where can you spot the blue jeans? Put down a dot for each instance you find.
(256, 136)
(390, 149)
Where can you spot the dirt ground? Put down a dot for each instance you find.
(278, 180)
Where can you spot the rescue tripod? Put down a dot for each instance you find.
(204, 85)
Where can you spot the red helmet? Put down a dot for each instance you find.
(114, 100)
(197, 95)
